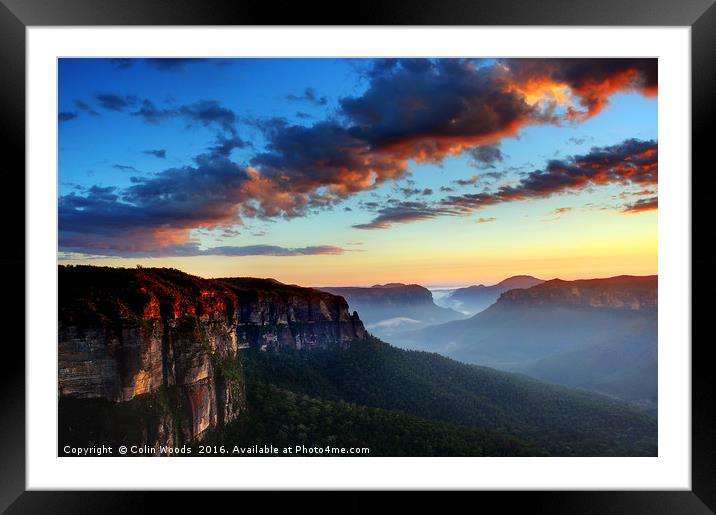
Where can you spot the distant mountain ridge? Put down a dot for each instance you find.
(598, 334)
(620, 292)
(390, 308)
(473, 299)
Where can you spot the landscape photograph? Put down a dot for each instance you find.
(341, 257)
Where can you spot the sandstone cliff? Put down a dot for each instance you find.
(155, 350)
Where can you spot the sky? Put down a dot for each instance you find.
(331, 172)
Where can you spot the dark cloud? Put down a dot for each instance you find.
(493, 175)
(409, 192)
(467, 182)
(272, 250)
(125, 168)
(152, 114)
(172, 64)
(160, 153)
(193, 249)
(84, 106)
(405, 212)
(66, 116)
(485, 156)
(427, 191)
(229, 232)
(208, 112)
(157, 213)
(309, 95)
(298, 160)
(224, 145)
(204, 113)
(641, 205)
(592, 81)
(426, 110)
(630, 162)
(113, 102)
(578, 141)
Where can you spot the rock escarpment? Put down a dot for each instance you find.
(392, 294)
(272, 314)
(151, 355)
(624, 292)
(391, 308)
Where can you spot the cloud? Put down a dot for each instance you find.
(560, 211)
(207, 112)
(405, 212)
(66, 116)
(160, 153)
(112, 102)
(467, 182)
(193, 250)
(409, 192)
(151, 114)
(84, 106)
(154, 213)
(493, 175)
(125, 168)
(590, 81)
(204, 113)
(426, 110)
(485, 220)
(172, 64)
(300, 160)
(485, 156)
(579, 140)
(309, 95)
(254, 250)
(630, 162)
(224, 145)
(272, 250)
(642, 205)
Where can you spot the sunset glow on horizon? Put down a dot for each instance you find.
(354, 172)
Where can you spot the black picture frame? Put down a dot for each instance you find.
(17, 15)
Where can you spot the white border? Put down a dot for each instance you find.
(670, 470)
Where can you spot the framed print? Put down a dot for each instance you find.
(426, 250)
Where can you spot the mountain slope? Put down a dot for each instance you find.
(473, 299)
(391, 308)
(558, 420)
(597, 334)
(284, 418)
